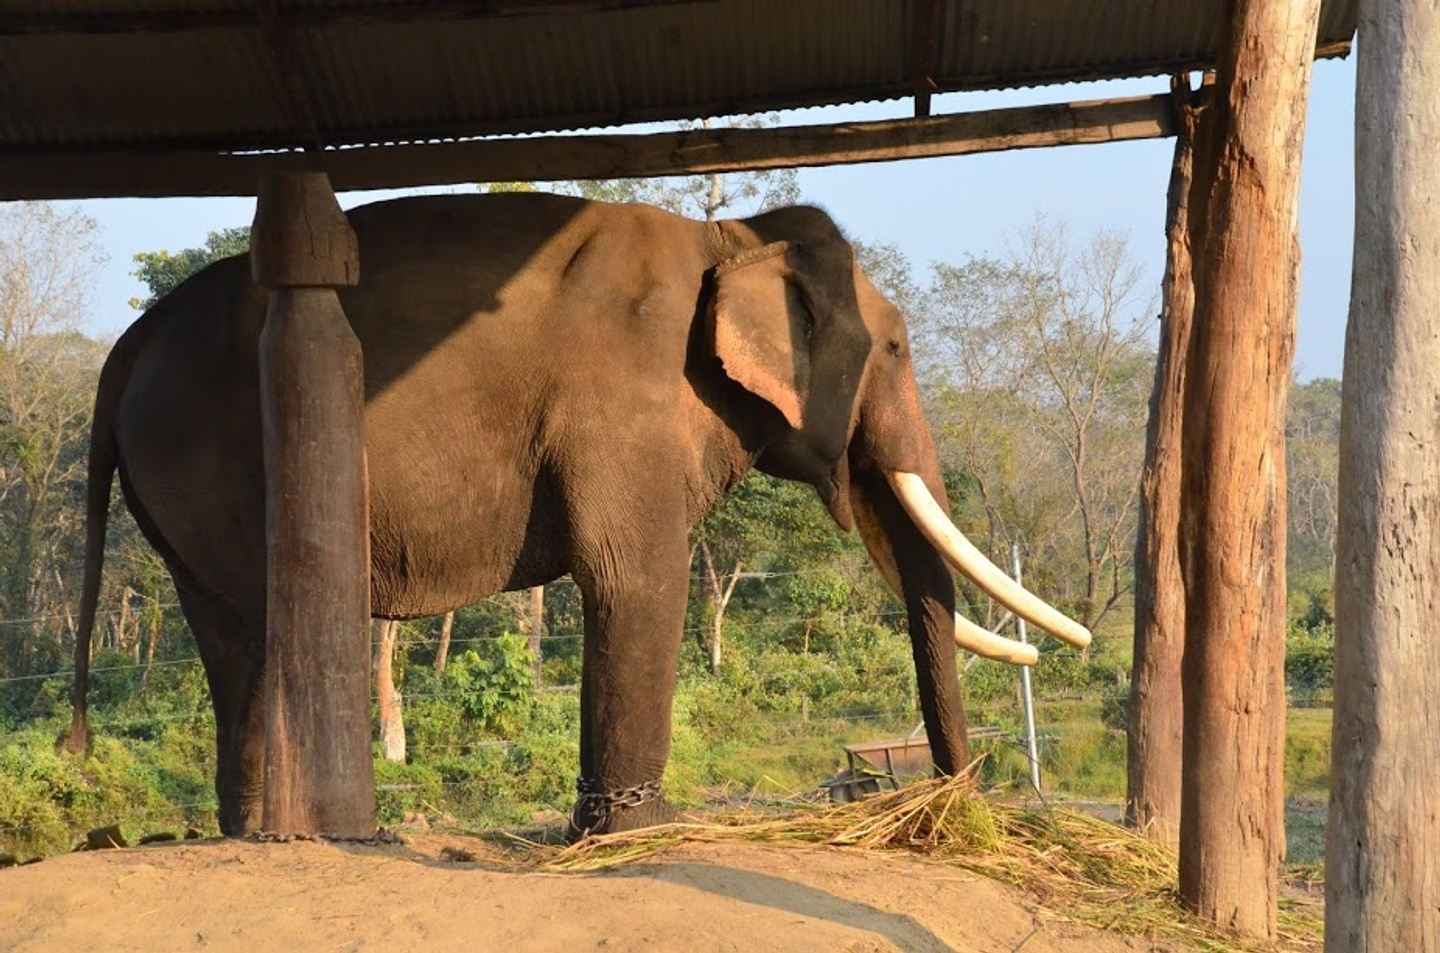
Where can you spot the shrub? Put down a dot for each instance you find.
(1115, 709)
(46, 797)
(484, 693)
(1310, 659)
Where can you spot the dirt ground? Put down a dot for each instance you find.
(267, 898)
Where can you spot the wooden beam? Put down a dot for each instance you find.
(280, 46)
(925, 53)
(1382, 875)
(318, 771)
(551, 158)
(357, 11)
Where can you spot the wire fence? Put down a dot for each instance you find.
(570, 637)
(780, 727)
(194, 810)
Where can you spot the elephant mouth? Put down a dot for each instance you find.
(963, 556)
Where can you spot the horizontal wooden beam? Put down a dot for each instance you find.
(551, 158)
(76, 22)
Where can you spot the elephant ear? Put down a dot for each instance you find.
(760, 328)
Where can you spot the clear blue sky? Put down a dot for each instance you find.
(943, 209)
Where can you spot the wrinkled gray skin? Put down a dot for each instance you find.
(552, 386)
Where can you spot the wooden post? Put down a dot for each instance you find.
(318, 773)
(1243, 209)
(1382, 857)
(1152, 802)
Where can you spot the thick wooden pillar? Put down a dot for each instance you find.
(1243, 209)
(318, 772)
(1382, 857)
(1152, 802)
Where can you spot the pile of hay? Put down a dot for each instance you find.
(1075, 866)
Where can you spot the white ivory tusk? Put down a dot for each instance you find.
(968, 635)
(917, 500)
(986, 644)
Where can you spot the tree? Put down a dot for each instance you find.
(696, 196)
(163, 272)
(1312, 462)
(388, 698)
(756, 521)
(1036, 369)
(537, 632)
(442, 653)
(48, 258)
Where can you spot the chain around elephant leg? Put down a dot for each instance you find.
(595, 809)
(634, 614)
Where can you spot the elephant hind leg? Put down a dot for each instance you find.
(232, 649)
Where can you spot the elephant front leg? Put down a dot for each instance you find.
(634, 616)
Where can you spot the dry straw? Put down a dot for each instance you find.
(1076, 867)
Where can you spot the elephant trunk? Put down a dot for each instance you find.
(891, 440)
(920, 576)
(896, 497)
(934, 521)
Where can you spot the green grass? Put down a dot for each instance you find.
(1307, 786)
(791, 760)
(1307, 754)
(1304, 834)
(54, 798)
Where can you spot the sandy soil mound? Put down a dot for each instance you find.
(268, 898)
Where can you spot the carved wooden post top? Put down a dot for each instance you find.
(300, 237)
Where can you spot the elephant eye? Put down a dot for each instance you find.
(893, 347)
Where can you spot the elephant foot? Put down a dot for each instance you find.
(627, 809)
(241, 820)
(651, 814)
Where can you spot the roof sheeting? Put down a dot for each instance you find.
(81, 75)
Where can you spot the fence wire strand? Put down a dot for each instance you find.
(821, 723)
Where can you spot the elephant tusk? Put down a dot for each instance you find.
(968, 635)
(917, 500)
(986, 644)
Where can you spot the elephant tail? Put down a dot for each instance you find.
(100, 475)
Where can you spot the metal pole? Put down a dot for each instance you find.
(1027, 696)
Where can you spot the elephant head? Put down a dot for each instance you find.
(794, 321)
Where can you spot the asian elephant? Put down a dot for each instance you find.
(552, 386)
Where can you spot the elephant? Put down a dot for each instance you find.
(552, 386)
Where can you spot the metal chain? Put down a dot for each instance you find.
(599, 805)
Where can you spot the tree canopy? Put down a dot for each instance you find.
(163, 271)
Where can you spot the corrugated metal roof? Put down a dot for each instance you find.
(151, 74)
